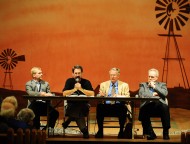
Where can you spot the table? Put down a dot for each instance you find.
(93, 98)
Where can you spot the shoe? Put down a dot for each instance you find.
(99, 135)
(166, 134)
(86, 135)
(44, 128)
(151, 136)
(120, 135)
(65, 125)
(145, 132)
(166, 137)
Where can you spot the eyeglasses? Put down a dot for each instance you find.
(113, 75)
(151, 76)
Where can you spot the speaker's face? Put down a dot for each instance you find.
(152, 76)
(114, 76)
(77, 73)
(38, 75)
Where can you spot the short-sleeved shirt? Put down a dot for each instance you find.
(70, 84)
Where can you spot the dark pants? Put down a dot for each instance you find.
(154, 109)
(40, 109)
(77, 112)
(111, 110)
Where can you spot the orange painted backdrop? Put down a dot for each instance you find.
(97, 34)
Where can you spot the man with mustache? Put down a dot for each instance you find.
(77, 110)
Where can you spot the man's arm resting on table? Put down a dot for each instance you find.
(69, 92)
(87, 92)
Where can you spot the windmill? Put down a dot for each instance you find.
(8, 61)
(173, 15)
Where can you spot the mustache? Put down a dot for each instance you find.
(78, 79)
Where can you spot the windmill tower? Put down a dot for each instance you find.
(8, 61)
(173, 15)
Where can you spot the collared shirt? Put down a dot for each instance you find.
(38, 84)
(110, 90)
(111, 86)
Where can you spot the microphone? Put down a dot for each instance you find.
(77, 79)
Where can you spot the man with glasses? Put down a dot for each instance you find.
(153, 88)
(77, 110)
(113, 88)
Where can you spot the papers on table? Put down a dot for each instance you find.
(79, 96)
(121, 96)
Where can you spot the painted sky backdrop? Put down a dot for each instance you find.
(97, 34)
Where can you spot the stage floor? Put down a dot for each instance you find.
(179, 122)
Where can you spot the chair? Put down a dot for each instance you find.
(187, 137)
(156, 122)
(71, 125)
(43, 121)
(183, 138)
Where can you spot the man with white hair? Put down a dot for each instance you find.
(152, 88)
(112, 88)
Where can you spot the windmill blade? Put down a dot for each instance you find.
(177, 25)
(184, 6)
(178, 1)
(180, 20)
(160, 3)
(184, 11)
(3, 63)
(166, 1)
(13, 53)
(14, 63)
(184, 1)
(162, 20)
(167, 23)
(3, 57)
(160, 14)
(184, 17)
(159, 8)
(4, 53)
(6, 66)
(9, 52)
